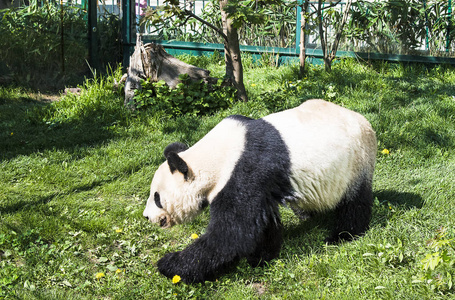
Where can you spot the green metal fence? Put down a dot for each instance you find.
(285, 54)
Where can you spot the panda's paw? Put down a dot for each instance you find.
(331, 240)
(168, 265)
(174, 263)
(337, 238)
(255, 261)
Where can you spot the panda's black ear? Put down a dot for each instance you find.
(174, 147)
(175, 162)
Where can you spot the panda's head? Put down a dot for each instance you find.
(175, 196)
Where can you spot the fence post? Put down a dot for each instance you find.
(449, 20)
(93, 33)
(426, 24)
(128, 29)
(298, 24)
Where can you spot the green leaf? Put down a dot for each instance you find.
(112, 268)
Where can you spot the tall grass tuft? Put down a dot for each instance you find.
(99, 100)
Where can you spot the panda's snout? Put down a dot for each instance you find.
(163, 222)
(166, 221)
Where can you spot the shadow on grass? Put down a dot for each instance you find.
(403, 200)
(23, 130)
(389, 201)
(186, 126)
(10, 207)
(309, 235)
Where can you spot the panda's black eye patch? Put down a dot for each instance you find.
(157, 200)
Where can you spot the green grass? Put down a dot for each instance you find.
(75, 174)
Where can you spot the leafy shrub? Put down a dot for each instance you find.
(187, 98)
(110, 49)
(31, 42)
(98, 102)
(32, 39)
(438, 265)
(400, 26)
(202, 61)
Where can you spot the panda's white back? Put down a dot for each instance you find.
(330, 147)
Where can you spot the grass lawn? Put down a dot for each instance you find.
(75, 175)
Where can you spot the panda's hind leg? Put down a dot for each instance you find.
(353, 212)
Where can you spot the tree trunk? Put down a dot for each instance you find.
(303, 37)
(232, 56)
(339, 33)
(323, 37)
(151, 61)
(330, 56)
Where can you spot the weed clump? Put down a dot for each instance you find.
(187, 98)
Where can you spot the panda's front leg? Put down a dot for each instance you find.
(168, 265)
(202, 261)
(235, 231)
(178, 263)
(269, 245)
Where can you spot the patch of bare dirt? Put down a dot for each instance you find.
(45, 98)
(259, 288)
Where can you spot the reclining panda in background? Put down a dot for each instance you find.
(315, 157)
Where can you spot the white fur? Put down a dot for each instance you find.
(328, 144)
(210, 169)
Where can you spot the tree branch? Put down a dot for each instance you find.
(332, 4)
(340, 30)
(219, 31)
(321, 28)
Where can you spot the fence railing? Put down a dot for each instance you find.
(280, 36)
(428, 25)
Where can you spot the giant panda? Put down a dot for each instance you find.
(316, 157)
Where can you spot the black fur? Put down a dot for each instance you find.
(244, 216)
(174, 147)
(203, 204)
(157, 199)
(175, 162)
(353, 212)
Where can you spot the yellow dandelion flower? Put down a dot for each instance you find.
(194, 236)
(253, 84)
(118, 271)
(118, 230)
(176, 279)
(385, 151)
(99, 275)
(12, 133)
